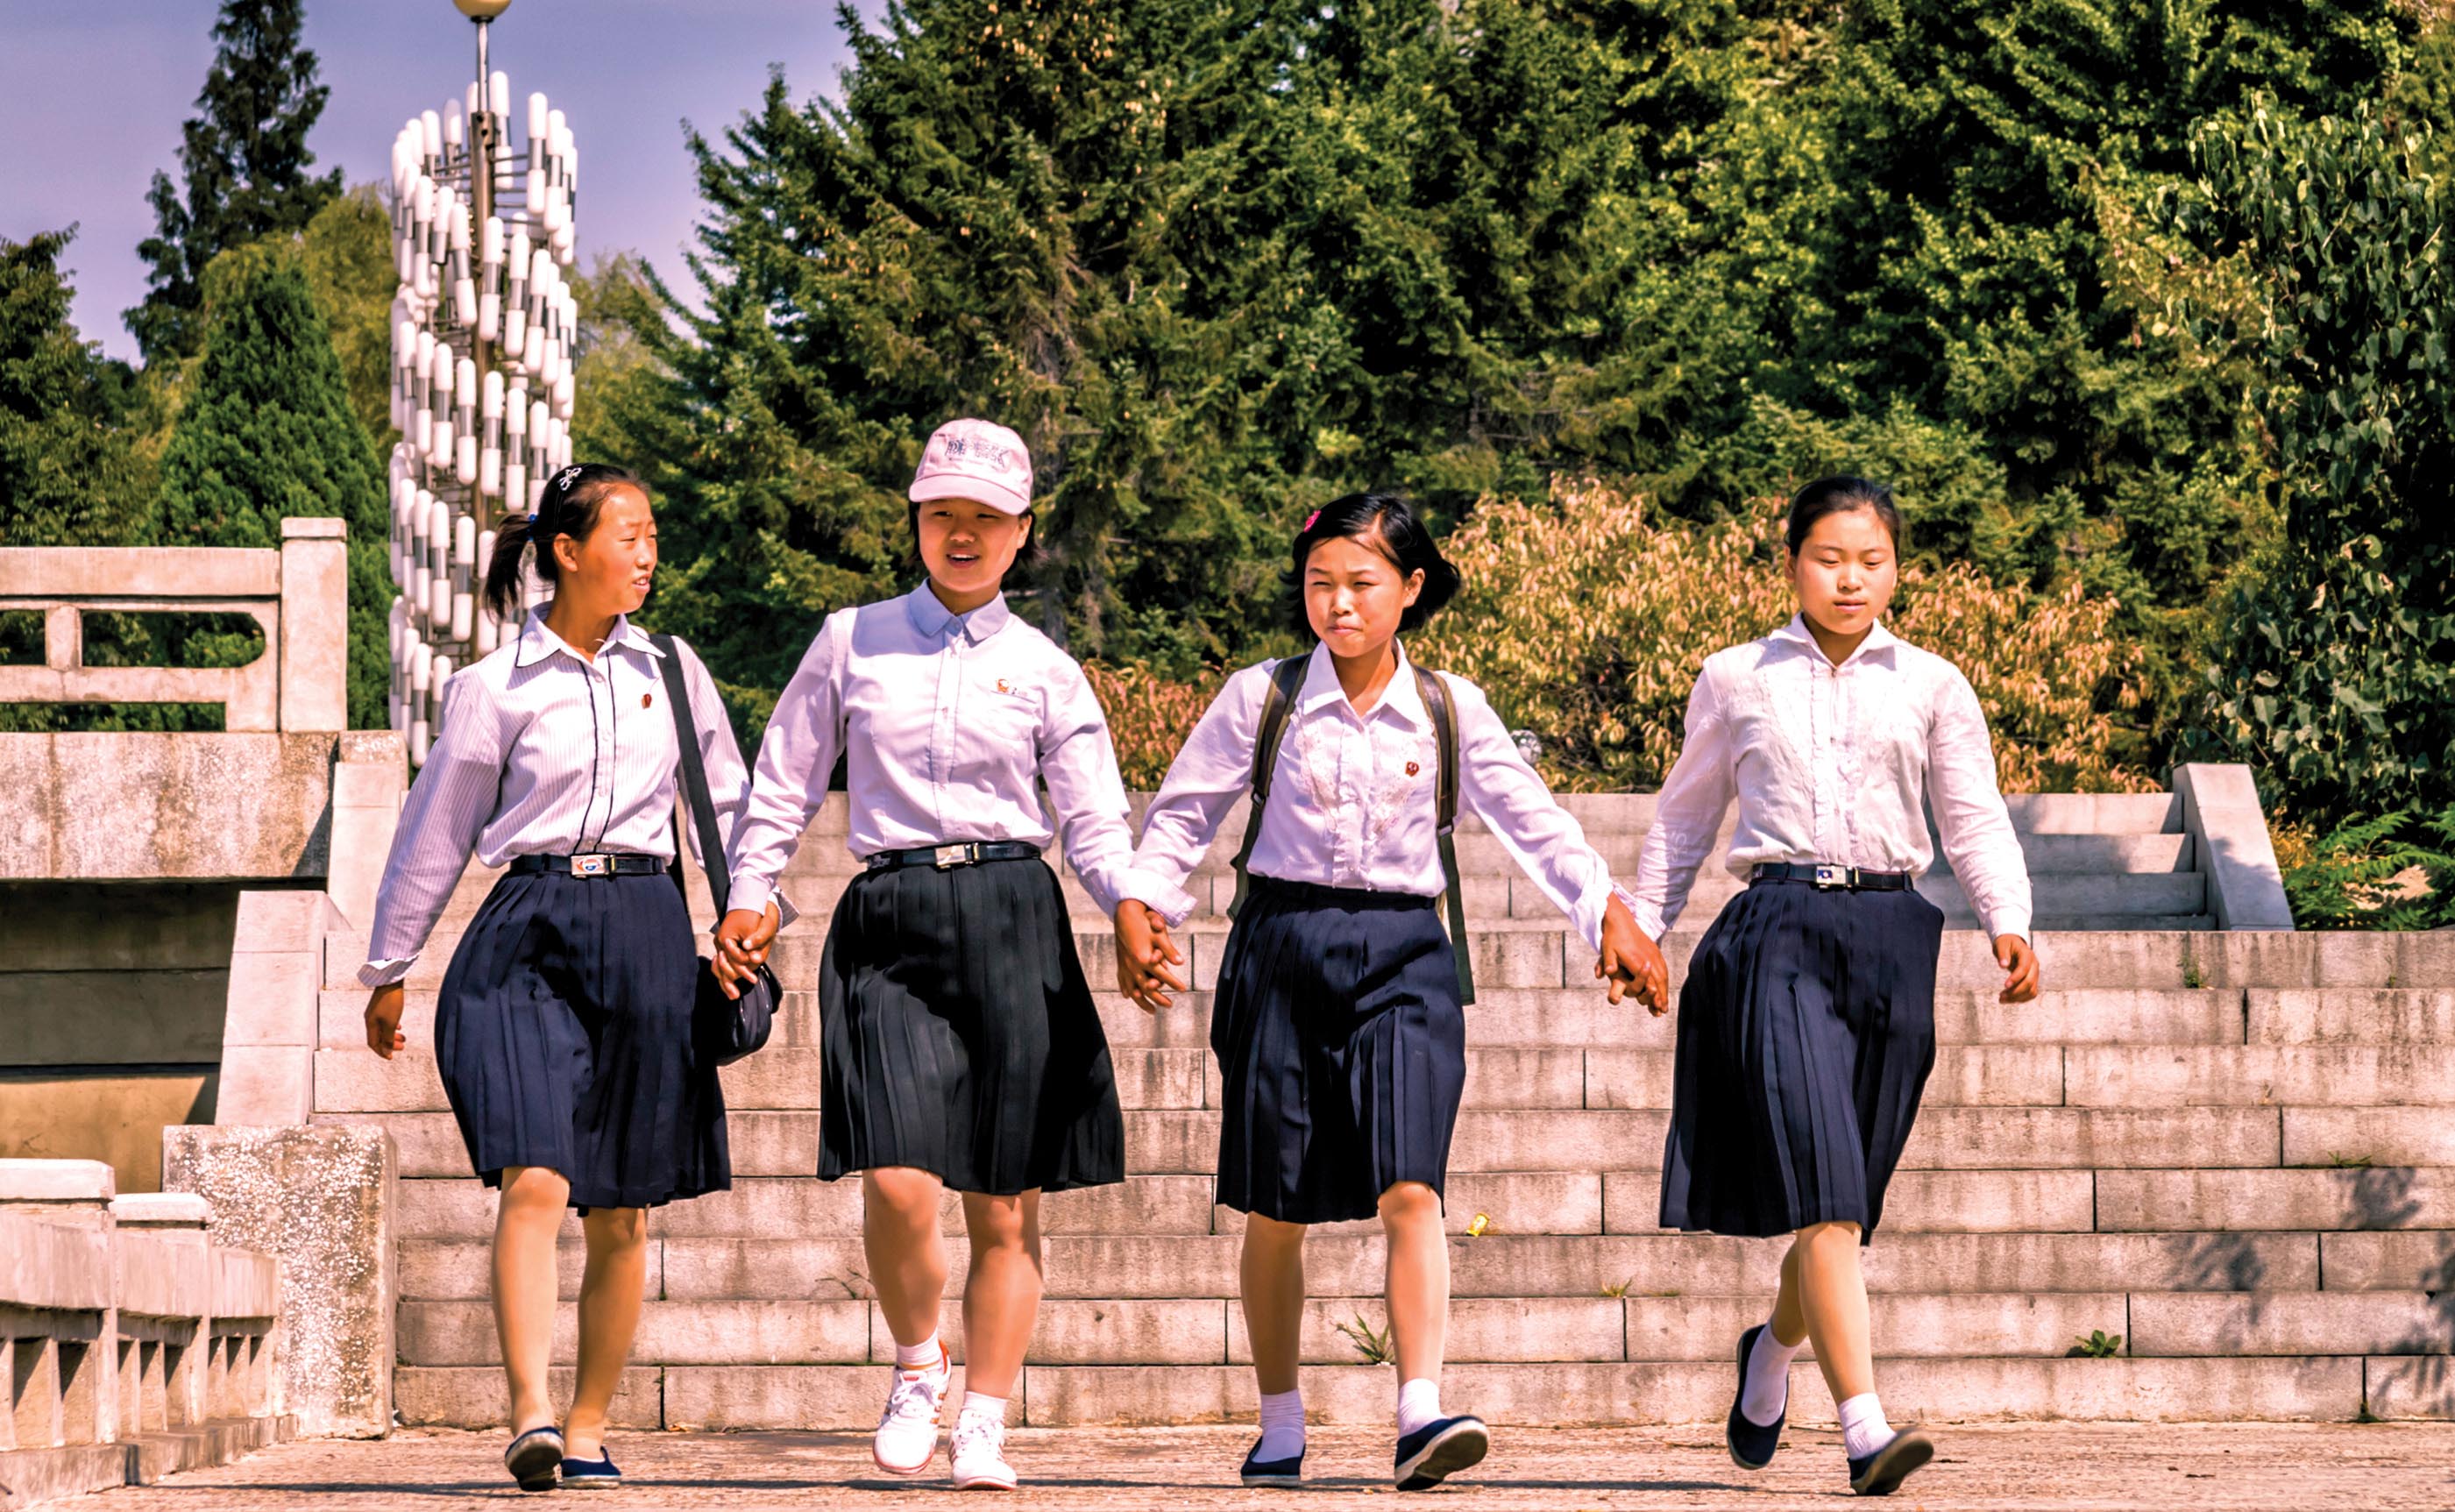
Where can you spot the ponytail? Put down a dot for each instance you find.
(569, 506)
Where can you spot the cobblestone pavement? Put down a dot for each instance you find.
(2055, 1466)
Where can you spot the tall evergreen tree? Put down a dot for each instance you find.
(244, 161)
(268, 433)
(68, 474)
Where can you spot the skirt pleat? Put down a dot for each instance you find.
(1806, 1035)
(957, 1035)
(1342, 1052)
(563, 1038)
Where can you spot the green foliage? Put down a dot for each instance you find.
(69, 475)
(2378, 873)
(244, 159)
(1373, 1344)
(268, 433)
(2337, 677)
(2098, 1345)
(346, 253)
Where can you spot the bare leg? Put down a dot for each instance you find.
(1272, 1280)
(1418, 1278)
(1832, 1299)
(1789, 1317)
(609, 1314)
(908, 1258)
(1002, 1293)
(526, 1218)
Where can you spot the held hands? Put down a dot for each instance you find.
(383, 1021)
(2018, 960)
(1629, 960)
(1143, 955)
(742, 941)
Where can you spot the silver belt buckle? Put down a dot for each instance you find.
(945, 856)
(592, 865)
(1829, 877)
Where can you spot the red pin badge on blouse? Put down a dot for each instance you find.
(1412, 769)
(646, 698)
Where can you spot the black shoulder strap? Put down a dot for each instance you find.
(1278, 701)
(1437, 703)
(702, 808)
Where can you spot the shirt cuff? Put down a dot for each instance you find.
(1156, 893)
(384, 973)
(2009, 919)
(751, 894)
(1591, 906)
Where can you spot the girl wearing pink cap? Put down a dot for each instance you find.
(960, 1047)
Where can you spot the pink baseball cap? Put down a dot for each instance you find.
(978, 460)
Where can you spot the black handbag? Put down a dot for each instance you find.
(726, 1027)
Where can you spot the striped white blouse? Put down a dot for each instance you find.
(545, 752)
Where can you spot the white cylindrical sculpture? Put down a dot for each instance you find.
(483, 332)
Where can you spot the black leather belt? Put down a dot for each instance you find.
(597, 865)
(1847, 879)
(968, 853)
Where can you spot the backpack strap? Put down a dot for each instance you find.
(1437, 703)
(1278, 702)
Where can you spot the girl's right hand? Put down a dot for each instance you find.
(384, 1006)
(1143, 955)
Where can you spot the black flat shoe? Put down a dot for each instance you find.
(1284, 1474)
(590, 1475)
(1753, 1443)
(535, 1456)
(1437, 1450)
(1881, 1473)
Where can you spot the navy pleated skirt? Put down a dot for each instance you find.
(958, 1035)
(1342, 1050)
(1806, 1034)
(563, 1035)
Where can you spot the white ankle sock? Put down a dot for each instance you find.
(980, 1404)
(1283, 1425)
(1863, 1428)
(1767, 1392)
(1419, 1403)
(926, 1355)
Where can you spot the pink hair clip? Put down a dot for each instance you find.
(1309, 521)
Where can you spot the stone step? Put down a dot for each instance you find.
(1507, 1330)
(1185, 1142)
(2224, 1201)
(1536, 953)
(2020, 1201)
(846, 1398)
(2237, 1075)
(2359, 1015)
(1502, 1265)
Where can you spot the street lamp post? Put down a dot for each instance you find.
(484, 324)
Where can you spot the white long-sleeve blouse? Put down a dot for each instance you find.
(1835, 764)
(1354, 797)
(544, 751)
(949, 724)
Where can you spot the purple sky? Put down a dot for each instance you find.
(93, 93)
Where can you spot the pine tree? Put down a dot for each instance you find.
(266, 434)
(245, 160)
(68, 474)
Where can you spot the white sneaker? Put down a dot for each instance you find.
(978, 1454)
(908, 1430)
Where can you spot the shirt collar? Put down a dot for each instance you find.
(932, 618)
(1879, 642)
(1402, 699)
(538, 643)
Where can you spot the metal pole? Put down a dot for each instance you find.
(485, 129)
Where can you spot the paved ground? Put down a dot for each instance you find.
(2055, 1465)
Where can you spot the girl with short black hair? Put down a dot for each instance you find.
(563, 1029)
(1338, 1019)
(1807, 1020)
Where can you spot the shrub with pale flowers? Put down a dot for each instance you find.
(1586, 622)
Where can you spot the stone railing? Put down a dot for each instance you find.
(134, 1345)
(299, 595)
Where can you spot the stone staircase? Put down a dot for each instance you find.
(2231, 1152)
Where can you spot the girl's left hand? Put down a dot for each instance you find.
(742, 941)
(2018, 960)
(1629, 959)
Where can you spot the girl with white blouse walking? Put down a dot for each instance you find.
(1807, 1020)
(1338, 1022)
(563, 1029)
(960, 1047)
